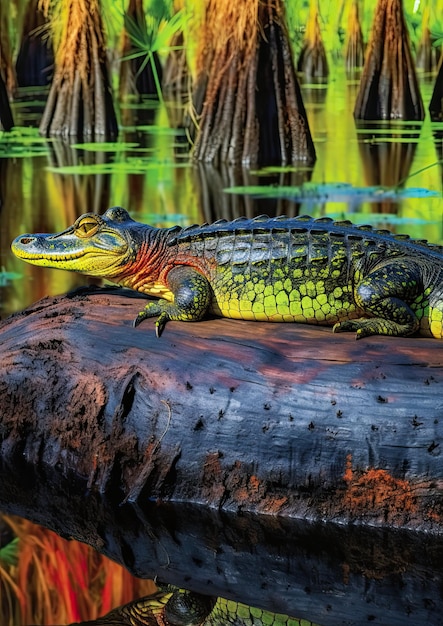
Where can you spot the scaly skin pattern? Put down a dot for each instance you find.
(178, 607)
(315, 271)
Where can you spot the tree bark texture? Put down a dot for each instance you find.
(176, 82)
(280, 419)
(246, 94)
(6, 66)
(388, 87)
(80, 98)
(355, 47)
(428, 55)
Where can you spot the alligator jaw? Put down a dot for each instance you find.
(95, 257)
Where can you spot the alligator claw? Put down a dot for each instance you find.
(160, 324)
(139, 319)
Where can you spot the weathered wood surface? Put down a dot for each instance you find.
(280, 419)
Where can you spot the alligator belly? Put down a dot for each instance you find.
(284, 300)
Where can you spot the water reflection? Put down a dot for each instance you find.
(180, 607)
(387, 152)
(326, 573)
(215, 204)
(76, 190)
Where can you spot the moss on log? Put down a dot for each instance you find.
(280, 419)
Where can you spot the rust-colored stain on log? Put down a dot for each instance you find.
(377, 490)
(238, 486)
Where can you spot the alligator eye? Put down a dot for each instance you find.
(86, 227)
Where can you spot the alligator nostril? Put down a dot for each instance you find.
(26, 240)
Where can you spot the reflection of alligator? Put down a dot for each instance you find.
(275, 269)
(178, 607)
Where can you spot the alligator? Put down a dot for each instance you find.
(179, 607)
(302, 269)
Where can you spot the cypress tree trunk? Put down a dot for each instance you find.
(80, 98)
(246, 94)
(6, 66)
(428, 55)
(312, 60)
(355, 47)
(177, 81)
(389, 87)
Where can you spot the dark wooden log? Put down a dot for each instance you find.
(280, 419)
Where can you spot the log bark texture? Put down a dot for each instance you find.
(280, 419)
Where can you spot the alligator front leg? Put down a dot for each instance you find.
(384, 294)
(192, 297)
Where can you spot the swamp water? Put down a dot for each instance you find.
(388, 175)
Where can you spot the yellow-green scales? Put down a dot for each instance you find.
(315, 271)
(178, 607)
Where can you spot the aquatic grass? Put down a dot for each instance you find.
(395, 130)
(57, 581)
(332, 192)
(420, 171)
(386, 139)
(6, 278)
(105, 146)
(22, 142)
(131, 165)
